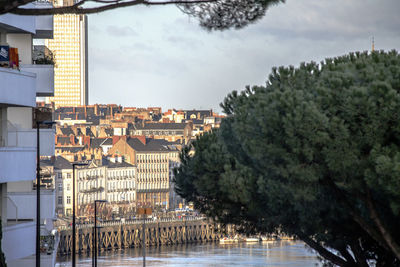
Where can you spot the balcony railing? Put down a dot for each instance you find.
(92, 190)
(26, 138)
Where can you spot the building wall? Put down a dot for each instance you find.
(24, 44)
(122, 148)
(67, 191)
(153, 179)
(20, 117)
(69, 47)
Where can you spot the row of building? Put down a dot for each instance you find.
(144, 139)
(134, 172)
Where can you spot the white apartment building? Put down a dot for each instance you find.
(19, 87)
(112, 180)
(63, 185)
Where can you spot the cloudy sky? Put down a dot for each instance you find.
(158, 56)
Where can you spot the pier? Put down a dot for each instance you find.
(118, 235)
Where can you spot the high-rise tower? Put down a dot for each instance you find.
(70, 50)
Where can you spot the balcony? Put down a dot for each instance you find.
(43, 67)
(18, 152)
(93, 190)
(18, 24)
(18, 88)
(17, 164)
(44, 24)
(22, 205)
(26, 138)
(44, 78)
(19, 240)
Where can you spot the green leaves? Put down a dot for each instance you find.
(315, 153)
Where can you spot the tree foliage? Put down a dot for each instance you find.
(212, 14)
(315, 154)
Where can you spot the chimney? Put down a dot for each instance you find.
(72, 139)
(86, 140)
(98, 154)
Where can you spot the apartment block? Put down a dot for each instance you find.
(24, 75)
(70, 49)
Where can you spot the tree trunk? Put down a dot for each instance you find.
(394, 247)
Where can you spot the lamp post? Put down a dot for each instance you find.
(95, 247)
(38, 123)
(73, 212)
(144, 212)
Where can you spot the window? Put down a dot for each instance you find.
(68, 200)
(60, 200)
(59, 186)
(59, 175)
(68, 175)
(68, 187)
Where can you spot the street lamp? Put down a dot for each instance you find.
(95, 247)
(73, 212)
(38, 123)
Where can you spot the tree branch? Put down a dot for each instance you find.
(76, 9)
(7, 6)
(356, 217)
(358, 254)
(343, 251)
(324, 252)
(385, 234)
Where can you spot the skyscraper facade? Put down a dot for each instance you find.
(70, 50)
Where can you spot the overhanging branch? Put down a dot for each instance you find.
(78, 9)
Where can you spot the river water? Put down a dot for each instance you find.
(279, 253)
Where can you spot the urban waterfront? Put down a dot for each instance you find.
(279, 253)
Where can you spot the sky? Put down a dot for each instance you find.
(160, 57)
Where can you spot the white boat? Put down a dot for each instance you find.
(268, 239)
(251, 239)
(228, 240)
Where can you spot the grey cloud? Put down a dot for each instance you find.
(330, 20)
(121, 31)
(184, 42)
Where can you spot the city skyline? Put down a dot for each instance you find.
(159, 57)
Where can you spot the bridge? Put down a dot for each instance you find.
(116, 234)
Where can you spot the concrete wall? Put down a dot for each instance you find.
(24, 44)
(20, 117)
(26, 203)
(19, 240)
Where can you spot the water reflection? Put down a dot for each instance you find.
(281, 253)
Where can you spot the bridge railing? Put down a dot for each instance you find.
(133, 221)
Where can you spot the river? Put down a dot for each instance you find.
(280, 253)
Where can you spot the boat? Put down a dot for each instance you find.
(228, 240)
(251, 239)
(267, 239)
